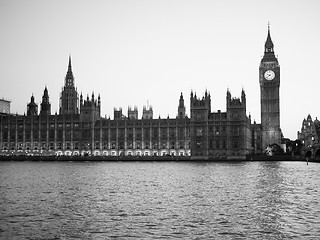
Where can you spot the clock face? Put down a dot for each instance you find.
(269, 75)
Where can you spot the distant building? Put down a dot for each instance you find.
(309, 136)
(310, 132)
(79, 128)
(4, 106)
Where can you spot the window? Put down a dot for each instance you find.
(199, 131)
(235, 145)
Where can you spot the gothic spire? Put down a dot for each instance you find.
(181, 107)
(45, 104)
(32, 107)
(268, 49)
(69, 66)
(69, 77)
(269, 44)
(181, 101)
(45, 92)
(45, 96)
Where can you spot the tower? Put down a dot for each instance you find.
(200, 110)
(90, 110)
(133, 113)
(45, 104)
(32, 108)
(237, 131)
(269, 77)
(181, 108)
(69, 96)
(147, 112)
(236, 107)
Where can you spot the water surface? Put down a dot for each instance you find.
(159, 200)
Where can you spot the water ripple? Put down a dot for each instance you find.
(72, 200)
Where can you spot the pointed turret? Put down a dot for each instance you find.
(181, 101)
(228, 97)
(32, 107)
(69, 97)
(269, 44)
(243, 97)
(181, 107)
(69, 76)
(69, 65)
(268, 49)
(45, 104)
(45, 92)
(81, 99)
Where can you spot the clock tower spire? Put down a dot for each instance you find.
(269, 77)
(268, 49)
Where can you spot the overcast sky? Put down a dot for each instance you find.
(134, 52)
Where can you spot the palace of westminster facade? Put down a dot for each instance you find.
(79, 129)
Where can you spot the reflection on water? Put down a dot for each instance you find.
(155, 200)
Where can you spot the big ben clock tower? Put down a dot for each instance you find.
(269, 76)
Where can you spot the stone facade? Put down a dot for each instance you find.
(269, 76)
(73, 134)
(79, 129)
(219, 134)
(310, 132)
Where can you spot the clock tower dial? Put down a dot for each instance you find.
(269, 77)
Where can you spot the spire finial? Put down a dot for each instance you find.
(69, 80)
(269, 30)
(69, 66)
(269, 44)
(181, 97)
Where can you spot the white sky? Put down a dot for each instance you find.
(132, 52)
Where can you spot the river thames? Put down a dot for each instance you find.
(159, 200)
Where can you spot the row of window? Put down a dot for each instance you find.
(217, 130)
(96, 145)
(216, 144)
(86, 136)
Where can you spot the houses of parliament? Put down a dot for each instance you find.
(79, 129)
